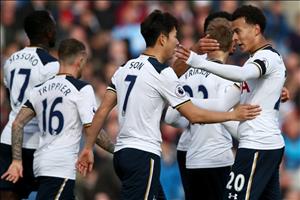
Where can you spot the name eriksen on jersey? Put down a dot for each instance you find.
(24, 56)
(194, 71)
(55, 86)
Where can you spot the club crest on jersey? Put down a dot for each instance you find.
(179, 91)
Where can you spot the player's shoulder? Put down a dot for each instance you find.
(77, 83)
(159, 67)
(267, 52)
(42, 83)
(44, 56)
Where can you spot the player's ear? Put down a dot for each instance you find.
(162, 39)
(257, 29)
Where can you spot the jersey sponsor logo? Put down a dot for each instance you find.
(179, 91)
(245, 87)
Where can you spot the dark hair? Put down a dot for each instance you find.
(155, 24)
(221, 14)
(252, 15)
(37, 24)
(220, 29)
(69, 49)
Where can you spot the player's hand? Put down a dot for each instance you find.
(246, 111)
(182, 53)
(14, 172)
(85, 161)
(205, 45)
(285, 95)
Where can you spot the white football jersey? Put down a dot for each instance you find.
(63, 105)
(22, 71)
(263, 132)
(185, 137)
(209, 144)
(144, 87)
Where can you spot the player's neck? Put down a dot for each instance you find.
(218, 56)
(67, 70)
(39, 45)
(155, 53)
(261, 43)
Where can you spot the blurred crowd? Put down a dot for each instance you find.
(111, 32)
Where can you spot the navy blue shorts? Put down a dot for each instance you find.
(255, 175)
(207, 183)
(181, 159)
(139, 173)
(25, 185)
(55, 188)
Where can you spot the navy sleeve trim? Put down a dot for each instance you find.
(78, 84)
(44, 56)
(179, 105)
(111, 85)
(28, 104)
(262, 66)
(157, 65)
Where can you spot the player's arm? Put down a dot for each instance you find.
(15, 170)
(103, 140)
(86, 158)
(232, 128)
(108, 103)
(224, 103)
(197, 115)
(235, 73)
(174, 118)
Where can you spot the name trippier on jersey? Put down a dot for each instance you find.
(55, 86)
(25, 56)
(194, 71)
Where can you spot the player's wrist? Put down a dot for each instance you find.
(232, 116)
(17, 161)
(191, 58)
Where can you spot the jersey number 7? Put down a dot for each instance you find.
(131, 79)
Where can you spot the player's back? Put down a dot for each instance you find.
(263, 132)
(62, 105)
(143, 87)
(210, 144)
(22, 71)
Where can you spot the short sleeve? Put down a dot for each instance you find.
(49, 70)
(86, 105)
(171, 88)
(28, 104)
(266, 61)
(112, 85)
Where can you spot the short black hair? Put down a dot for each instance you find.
(221, 14)
(37, 24)
(69, 49)
(155, 24)
(252, 15)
